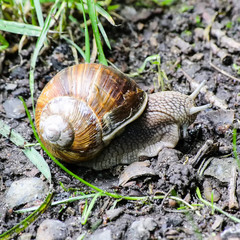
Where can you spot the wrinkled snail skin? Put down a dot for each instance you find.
(158, 127)
(87, 106)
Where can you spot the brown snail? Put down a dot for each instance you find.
(87, 106)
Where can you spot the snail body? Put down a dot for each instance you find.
(87, 106)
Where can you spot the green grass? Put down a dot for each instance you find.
(235, 153)
(215, 207)
(28, 220)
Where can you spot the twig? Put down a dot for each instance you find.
(224, 72)
(184, 46)
(221, 53)
(225, 40)
(165, 197)
(233, 203)
(209, 27)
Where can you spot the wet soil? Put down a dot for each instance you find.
(178, 35)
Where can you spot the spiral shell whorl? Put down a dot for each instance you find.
(68, 126)
(58, 131)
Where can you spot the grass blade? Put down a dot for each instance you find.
(216, 207)
(39, 162)
(63, 201)
(93, 18)
(33, 12)
(105, 37)
(13, 136)
(39, 12)
(235, 153)
(4, 43)
(105, 14)
(20, 28)
(89, 209)
(87, 41)
(39, 45)
(27, 221)
(30, 152)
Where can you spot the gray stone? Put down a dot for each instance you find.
(24, 191)
(25, 236)
(231, 233)
(114, 213)
(140, 230)
(11, 86)
(14, 108)
(104, 234)
(51, 229)
(220, 168)
(149, 224)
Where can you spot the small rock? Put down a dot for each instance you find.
(191, 68)
(14, 108)
(218, 221)
(143, 14)
(153, 40)
(231, 233)
(135, 170)
(221, 120)
(114, 213)
(140, 230)
(11, 86)
(209, 193)
(25, 236)
(149, 224)
(24, 191)
(128, 12)
(220, 168)
(184, 46)
(104, 234)
(18, 73)
(197, 57)
(51, 229)
(140, 26)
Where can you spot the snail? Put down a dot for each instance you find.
(85, 107)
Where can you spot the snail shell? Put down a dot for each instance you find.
(83, 108)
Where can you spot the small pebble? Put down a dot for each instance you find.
(231, 233)
(11, 86)
(25, 236)
(209, 193)
(172, 203)
(128, 12)
(114, 213)
(103, 234)
(14, 108)
(51, 229)
(220, 168)
(140, 230)
(24, 191)
(218, 221)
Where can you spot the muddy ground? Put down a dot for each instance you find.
(178, 34)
